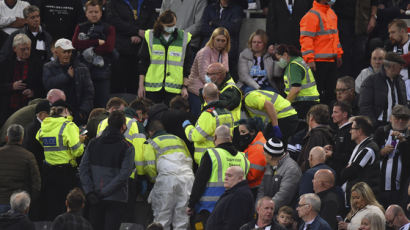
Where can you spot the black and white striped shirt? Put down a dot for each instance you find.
(391, 166)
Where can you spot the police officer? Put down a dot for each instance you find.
(168, 163)
(165, 60)
(62, 144)
(209, 184)
(137, 139)
(271, 106)
(230, 94)
(213, 115)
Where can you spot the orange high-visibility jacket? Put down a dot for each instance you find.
(319, 37)
(255, 155)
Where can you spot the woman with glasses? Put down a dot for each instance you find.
(372, 221)
(362, 202)
(215, 50)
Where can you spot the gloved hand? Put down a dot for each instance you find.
(276, 132)
(186, 123)
(92, 198)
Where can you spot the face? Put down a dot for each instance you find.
(393, 69)
(338, 116)
(376, 60)
(93, 14)
(266, 209)
(33, 20)
(365, 225)
(216, 75)
(243, 130)
(284, 56)
(303, 208)
(64, 56)
(220, 42)
(357, 200)
(395, 35)
(399, 123)
(23, 51)
(354, 131)
(343, 93)
(257, 44)
(391, 219)
(231, 179)
(173, 23)
(284, 219)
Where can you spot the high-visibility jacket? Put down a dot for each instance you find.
(202, 134)
(319, 37)
(254, 153)
(255, 101)
(60, 139)
(309, 90)
(236, 112)
(221, 161)
(167, 64)
(160, 146)
(136, 138)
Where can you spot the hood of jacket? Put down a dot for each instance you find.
(52, 123)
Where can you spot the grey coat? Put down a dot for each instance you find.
(246, 61)
(282, 186)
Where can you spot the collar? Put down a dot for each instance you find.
(322, 7)
(345, 124)
(39, 120)
(159, 133)
(367, 138)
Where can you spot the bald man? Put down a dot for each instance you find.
(330, 196)
(230, 94)
(317, 159)
(396, 218)
(235, 207)
(213, 115)
(209, 183)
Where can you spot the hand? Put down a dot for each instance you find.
(189, 211)
(70, 71)
(371, 25)
(312, 65)
(19, 85)
(398, 136)
(28, 93)
(18, 23)
(141, 91)
(135, 39)
(342, 225)
(271, 50)
(386, 150)
(184, 92)
(141, 33)
(339, 62)
(276, 132)
(328, 150)
(186, 123)
(82, 138)
(101, 42)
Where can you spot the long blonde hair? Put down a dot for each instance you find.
(367, 195)
(220, 31)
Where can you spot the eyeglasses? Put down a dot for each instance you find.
(341, 90)
(390, 223)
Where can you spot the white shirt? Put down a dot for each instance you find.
(405, 227)
(8, 16)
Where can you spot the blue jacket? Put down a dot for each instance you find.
(305, 183)
(317, 224)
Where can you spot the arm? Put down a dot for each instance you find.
(127, 166)
(288, 187)
(270, 110)
(150, 161)
(231, 97)
(82, 44)
(199, 133)
(296, 75)
(144, 61)
(72, 139)
(35, 177)
(244, 71)
(87, 90)
(188, 60)
(206, 29)
(201, 179)
(204, 60)
(53, 80)
(194, 29)
(366, 99)
(123, 27)
(85, 172)
(109, 44)
(308, 29)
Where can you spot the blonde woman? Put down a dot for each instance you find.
(362, 202)
(215, 50)
(372, 221)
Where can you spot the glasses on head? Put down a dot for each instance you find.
(341, 90)
(390, 222)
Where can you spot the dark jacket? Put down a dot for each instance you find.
(317, 224)
(43, 55)
(71, 221)
(80, 93)
(331, 206)
(61, 17)
(318, 136)
(305, 183)
(251, 225)
(373, 95)
(282, 26)
(106, 165)
(234, 208)
(231, 97)
(33, 81)
(120, 15)
(18, 171)
(204, 172)
(31, 144)
(15, 221)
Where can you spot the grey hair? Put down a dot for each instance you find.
(376, 222)
(21, 39)
(313, 200)
(20, 201)
(15, 133)
(29, 10)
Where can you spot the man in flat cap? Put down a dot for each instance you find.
(380, 92)
(394, 147)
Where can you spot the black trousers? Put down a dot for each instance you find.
(161, 96)
(325, 76)
(124, 77)
(107, 215)
(287, 125)
(302, 107)
(58, 181)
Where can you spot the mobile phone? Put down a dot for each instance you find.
(339, 218)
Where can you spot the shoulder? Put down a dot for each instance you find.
(246, 53)
(50, 64)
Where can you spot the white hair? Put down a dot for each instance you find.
(21, 39)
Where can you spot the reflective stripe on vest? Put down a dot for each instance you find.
(162, 150)
(307, 82)
(272, 100)
(322, 30)
(60, 146)
(218, 122)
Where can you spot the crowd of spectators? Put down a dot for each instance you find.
(114, 115)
